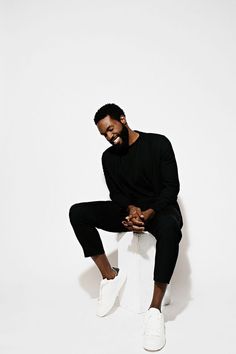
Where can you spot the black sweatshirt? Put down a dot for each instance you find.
(146, 175)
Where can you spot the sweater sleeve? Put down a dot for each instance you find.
(115, 193)
(169, 177)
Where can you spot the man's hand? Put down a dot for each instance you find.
(134, 211)
(134, 222)
(136, 219)
(148, 214)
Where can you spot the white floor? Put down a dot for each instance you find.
(44, 318)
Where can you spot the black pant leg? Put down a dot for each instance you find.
(165, 226)
(86, 217)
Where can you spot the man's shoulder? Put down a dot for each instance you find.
(107, 152)
(150, 134)
(154, 137)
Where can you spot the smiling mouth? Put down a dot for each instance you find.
(116, 140)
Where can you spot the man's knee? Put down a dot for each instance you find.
(169, 228)
(76, 212)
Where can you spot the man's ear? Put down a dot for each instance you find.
(123, 120)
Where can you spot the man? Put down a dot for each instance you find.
(141, 174)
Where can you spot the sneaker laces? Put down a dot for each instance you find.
(100, 292)
(102, 287)
(152, 326)
(103, 284)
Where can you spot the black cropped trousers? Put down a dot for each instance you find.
(165, 226)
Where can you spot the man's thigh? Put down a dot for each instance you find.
(168, 216)
(105, 215)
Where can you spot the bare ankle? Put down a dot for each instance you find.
(110, 275)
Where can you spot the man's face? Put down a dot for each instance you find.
(115, 132)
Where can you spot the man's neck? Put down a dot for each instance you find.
(133, 136)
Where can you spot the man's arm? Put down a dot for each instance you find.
(115, 194)
(169, 177)
(169, 180)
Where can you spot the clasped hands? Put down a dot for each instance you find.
(136, 219)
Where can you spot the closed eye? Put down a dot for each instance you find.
(108, 129)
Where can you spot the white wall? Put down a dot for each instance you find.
(171, 66)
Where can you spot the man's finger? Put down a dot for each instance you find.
(127, 223)
(133, 227)
(137, 228)
(128, 217)
(137, 221)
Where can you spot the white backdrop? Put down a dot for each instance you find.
(171, 66)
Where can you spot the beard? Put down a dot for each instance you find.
(124, 135)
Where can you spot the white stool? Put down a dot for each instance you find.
(136, 255)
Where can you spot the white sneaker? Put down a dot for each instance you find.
(154, 330)
(108, 292)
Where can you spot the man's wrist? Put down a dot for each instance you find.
(150, 212)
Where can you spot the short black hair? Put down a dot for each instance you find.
(109, 109)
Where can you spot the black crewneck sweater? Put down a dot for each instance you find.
(146, 175)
